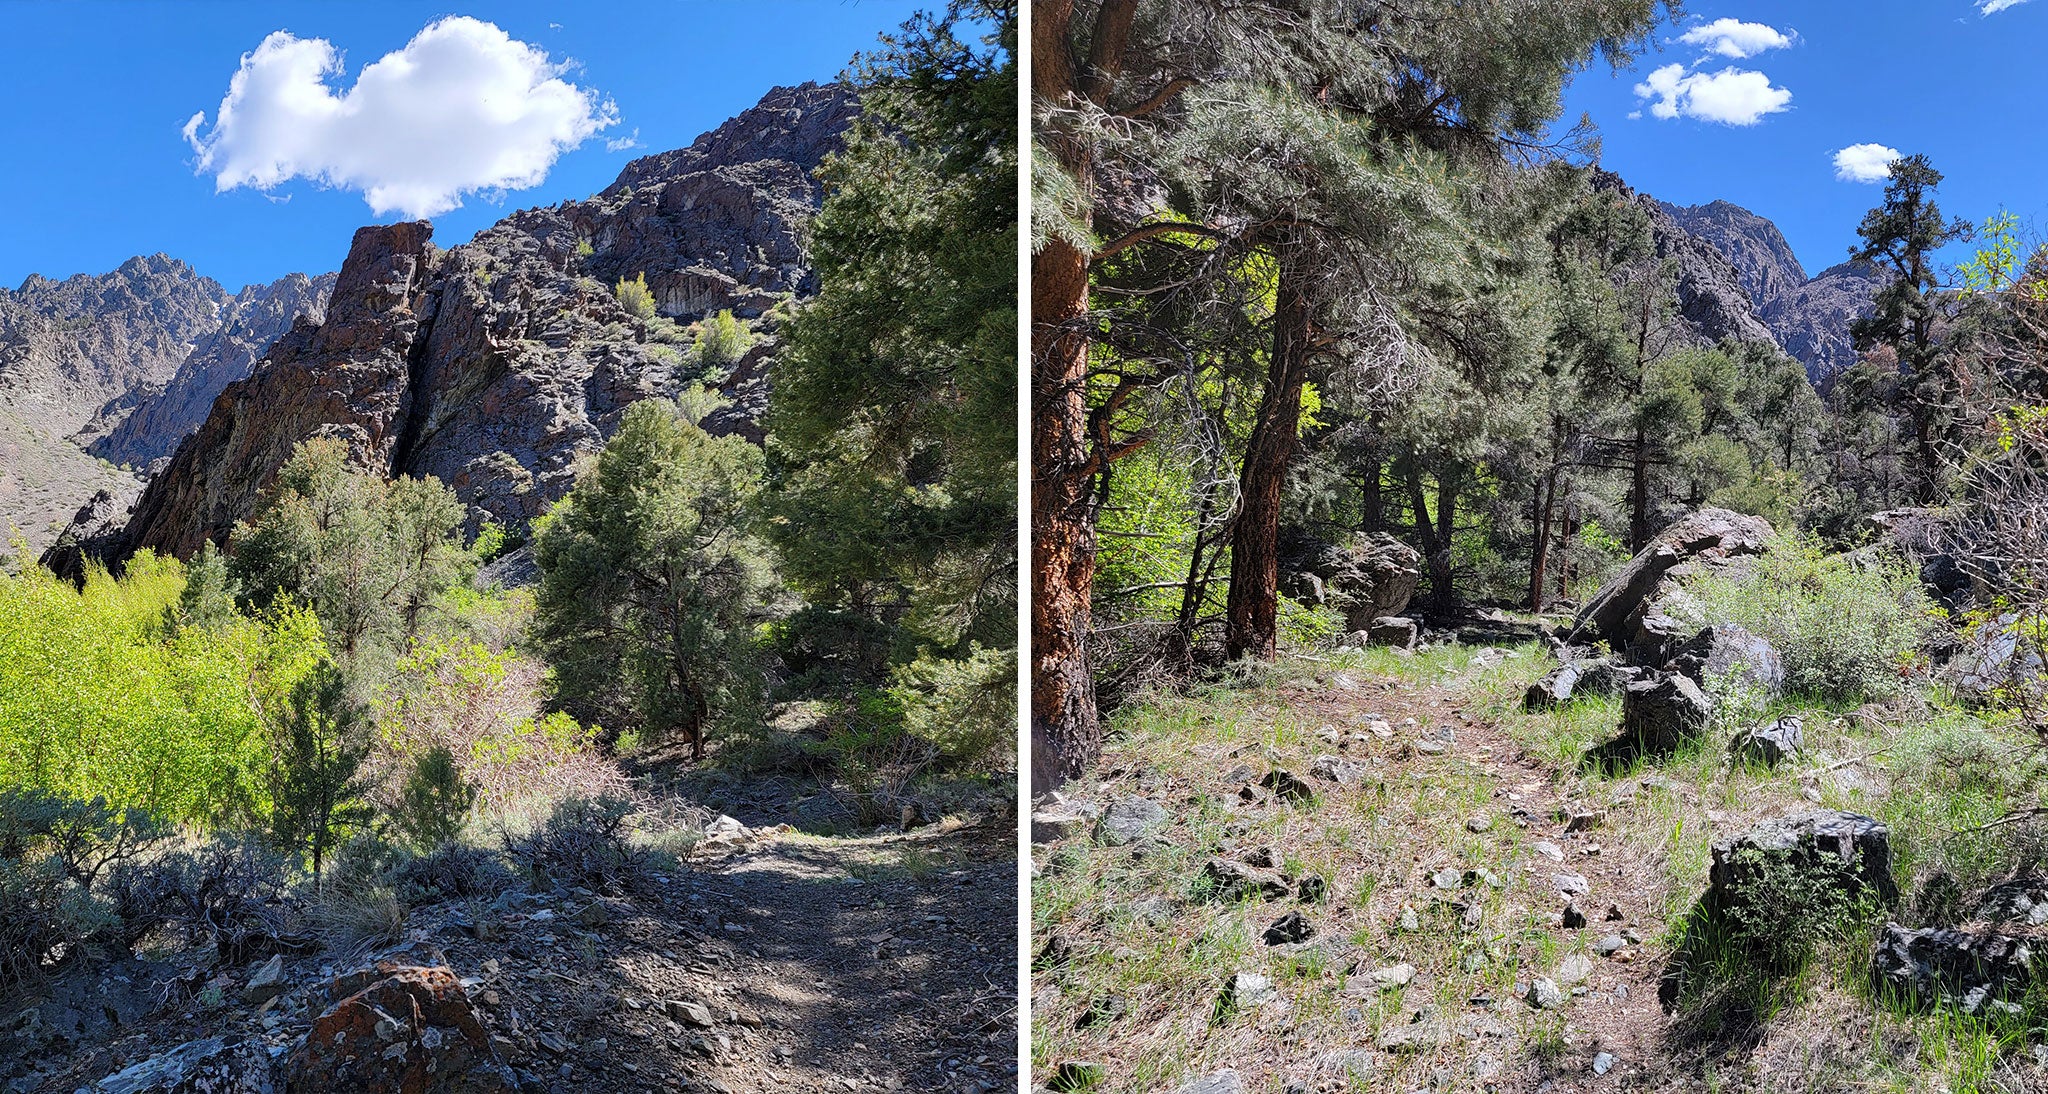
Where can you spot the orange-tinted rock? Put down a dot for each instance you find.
(409, 1030)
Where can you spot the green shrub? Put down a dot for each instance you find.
(52, 851)
(635, 297)
(434, 804)
(722, 341)
(1847, 629)
(584, 249)
(966, 708)
(454, 871)
(230, 892)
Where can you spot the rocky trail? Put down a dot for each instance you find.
(772, 962)
(1381, 873)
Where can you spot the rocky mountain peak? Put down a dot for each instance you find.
(1712, 301)
(499, 364)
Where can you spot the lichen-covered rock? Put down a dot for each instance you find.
(1728, 652)
(398, 1029)
(1770, 744)
(1368, 578)
(1634, 612)
(1973, 972)
(1397, 631)
(1845, 850)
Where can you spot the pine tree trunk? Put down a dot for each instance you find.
(1251, 615)
(1066, 734)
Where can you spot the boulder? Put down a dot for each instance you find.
(1129, 820)
(2003, 655)
(1370, 577)
(2022, 900)
(1663, 711)
(1606, 678)
(216, 1065)
(1922, 537)
(1633, 612)
(1057, 818)
(398, 1029)
(1727, 651)
(1554, 690)
(1966, 971)
(1770, 744)
(1233, 881)
(1397, 631)
(1848, 850)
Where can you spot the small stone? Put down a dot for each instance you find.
(1544, 994)
(1292, 927)
(1479, 822)
(1393, 977)
(1247, 989)
(1287, 786)
(1608, 945)
(695, 1014)
(1550, 850)
(1129, 820)
(1603, 1063)
(1575, 969)
(1573, 917)
(1446, 879)
(1570, 883)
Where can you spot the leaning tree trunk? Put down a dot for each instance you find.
(1539, 558)
(1251, 615)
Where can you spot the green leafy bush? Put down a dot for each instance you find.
(1846, 628)
(635, 296)
(722, 341)
(52, 850)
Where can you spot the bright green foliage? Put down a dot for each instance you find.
(722, 341)
(1846, 630)
(584, 249)
(434, 804)
(635, 296)
(370, 557)
(318, 742)
(965, 707)
(894, 416)
(646, 577)
(99, 698)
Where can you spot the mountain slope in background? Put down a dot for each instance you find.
(498, 365)
(72, 349)
(1809, 317)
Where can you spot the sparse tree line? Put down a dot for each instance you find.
(1306, 272)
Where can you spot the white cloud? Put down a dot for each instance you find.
(462, 108)
(1993, 7)
(1865, 163)
(620, 144)
(1731, 96)
(1737, 39)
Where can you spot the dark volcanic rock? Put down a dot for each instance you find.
(216, 1065)
(1754, 246)
(1967, 971)
(1728, 651)
(1629, 612)
(1711, 298)
(496, 366)
(1664, 711)
(1847, 850)
(1369, 578)
(1812, 320)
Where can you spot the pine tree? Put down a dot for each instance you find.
(318, 743)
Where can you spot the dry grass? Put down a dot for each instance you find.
(1145, 955)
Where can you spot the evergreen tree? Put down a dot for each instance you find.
(369, 557)
(1903, 235)
(646, 577)
(435, 800)
(318, 743)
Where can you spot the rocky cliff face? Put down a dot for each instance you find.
(499, 364)
(88, 350)
(1809, 317)
(145, 424)
(1712, 302)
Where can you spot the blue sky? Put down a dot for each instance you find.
(99, 168)
(1939, 77)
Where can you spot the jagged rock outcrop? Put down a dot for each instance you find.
(1632, 613)
(147, 423)
(79, 356)
(497, 365)
(1809, 316)
(1712, 301)
(1812, 320)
